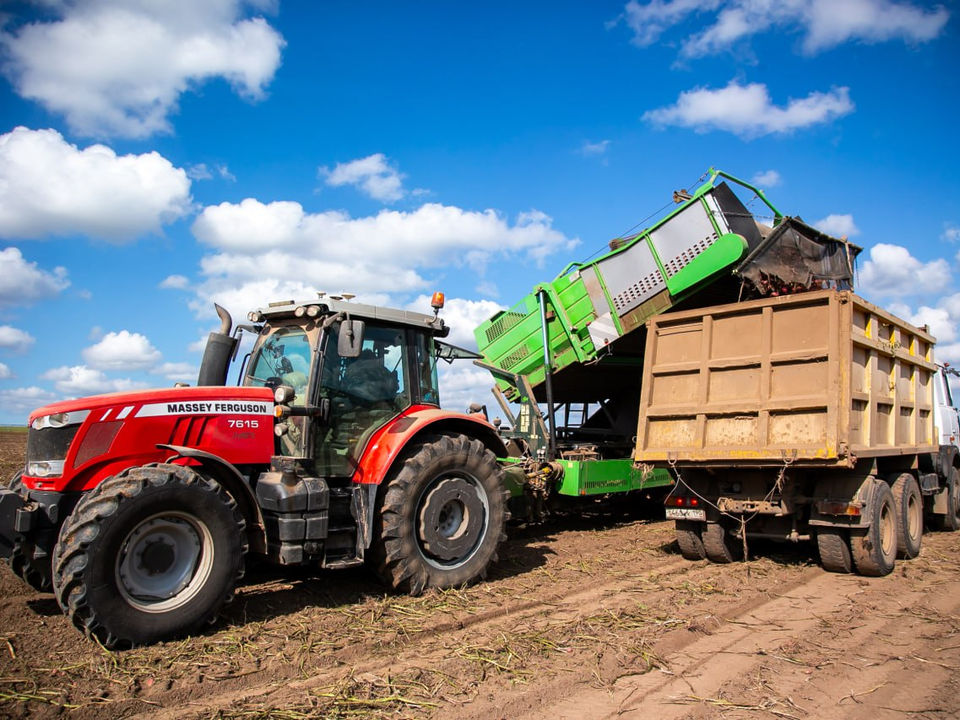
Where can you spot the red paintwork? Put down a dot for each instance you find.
(124, 429)
(389, 441)
(240, 432)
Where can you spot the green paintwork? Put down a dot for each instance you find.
(725, 251)
(602, 477)
(513, 339)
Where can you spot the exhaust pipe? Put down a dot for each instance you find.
(219, 351)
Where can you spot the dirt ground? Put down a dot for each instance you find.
(580, 618)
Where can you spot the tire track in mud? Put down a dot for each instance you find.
(834, 646)
(643, 596)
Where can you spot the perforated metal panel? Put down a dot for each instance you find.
(687, 235)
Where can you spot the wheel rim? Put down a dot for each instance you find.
(888, 531)
(452, 518)
(164, 561)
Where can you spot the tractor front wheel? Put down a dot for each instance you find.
(441, 517)
(150, 554)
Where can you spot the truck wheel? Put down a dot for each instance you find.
(150, 554)
(874, 549)
(690, 540)
(441, 516)
(36, 571)
(719, 545)
(951, 521)
(908, 504)
(834, 546)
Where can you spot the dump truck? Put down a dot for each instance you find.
(808, 417)
(567, 360)
(139, 509)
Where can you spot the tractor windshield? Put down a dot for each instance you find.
(283, 358)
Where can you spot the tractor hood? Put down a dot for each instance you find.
(73, 445)
(202, 400)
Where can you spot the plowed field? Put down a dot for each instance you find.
(580, 618)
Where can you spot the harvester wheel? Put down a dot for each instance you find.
(34, 569)
(951, 521)
(874, 548)
(441, 517)
(720, 545)
(908, 506)
(690, 540)
(150, 554)
(834, 546)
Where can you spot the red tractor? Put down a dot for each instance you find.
(137, 509)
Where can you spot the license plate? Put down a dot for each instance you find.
(686, 514)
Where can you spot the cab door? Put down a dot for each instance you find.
(364, 394)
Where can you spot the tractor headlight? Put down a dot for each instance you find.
(283, 394)
(45, 468)
(59, 420)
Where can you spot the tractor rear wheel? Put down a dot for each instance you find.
(441, 517)
(150, 554)
(28, 563)
(690, 539)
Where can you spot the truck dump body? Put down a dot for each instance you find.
(820, 378)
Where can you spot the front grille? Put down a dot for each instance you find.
(50, 443)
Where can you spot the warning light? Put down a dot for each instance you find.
(436, 302)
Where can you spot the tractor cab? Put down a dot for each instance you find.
(341, 371)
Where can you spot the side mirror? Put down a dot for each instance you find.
(350, 340)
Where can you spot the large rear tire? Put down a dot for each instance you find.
(834, 546)
(442, 516)
(151, 554)
(720, 545)
(908, 505)
(874, 549)
(28, 562)
(690, 539)
(951, 521)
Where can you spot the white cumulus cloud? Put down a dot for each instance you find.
(373, 175)
(767, 178)
(15, 340)
(50, 187)
(177, 372)
(23, 283)
(5, 372)
(175, 282)
(277, 250)
(823, 24)
(461, 316)
(122, 350)
(892, 272)
(594, 149)
(22, 401)
(747, 110)
(838, 226)
(80, 380)
(118, 67)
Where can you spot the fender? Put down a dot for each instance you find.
(233, 482)
(388, 442)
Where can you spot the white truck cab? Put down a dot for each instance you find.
(947, 420)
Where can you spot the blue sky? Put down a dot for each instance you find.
(156, 157)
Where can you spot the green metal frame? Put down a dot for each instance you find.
(513, 340)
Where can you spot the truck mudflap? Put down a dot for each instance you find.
(13, 522)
